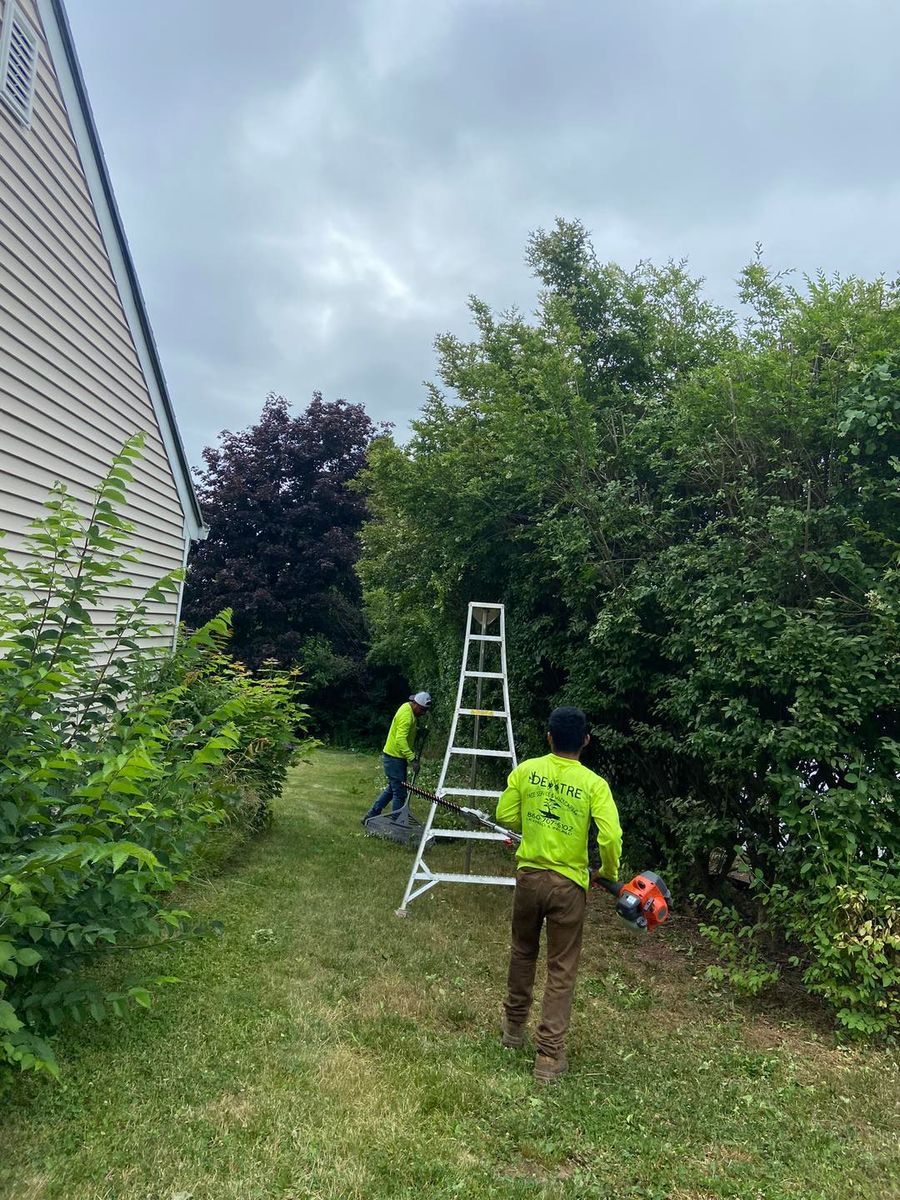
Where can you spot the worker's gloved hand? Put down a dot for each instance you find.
(415, 764)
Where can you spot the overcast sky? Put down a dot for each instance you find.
(312, 188)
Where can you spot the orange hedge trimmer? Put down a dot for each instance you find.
(643, 902)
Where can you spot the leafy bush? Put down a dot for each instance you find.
(742, 962)
(267, 718)
(850, 936)
(847, 938)
(109, 783)
(692, 519)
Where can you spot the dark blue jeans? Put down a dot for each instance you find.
(395, 769)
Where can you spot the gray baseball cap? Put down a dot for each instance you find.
(423, 698)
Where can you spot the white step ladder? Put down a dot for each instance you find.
(422, 879)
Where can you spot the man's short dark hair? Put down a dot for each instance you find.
(568, 729)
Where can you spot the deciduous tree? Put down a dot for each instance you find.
(283, 516)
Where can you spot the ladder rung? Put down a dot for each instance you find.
(480, 712)
(481, 753)
(485, 637)
(484, 675)
(470, 792)
(466, 834)
(435, 877)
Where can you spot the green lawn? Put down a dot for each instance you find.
(323, 1048)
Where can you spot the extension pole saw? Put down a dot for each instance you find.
(642, 903)
(474, 815)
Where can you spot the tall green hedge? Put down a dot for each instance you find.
(693, 518)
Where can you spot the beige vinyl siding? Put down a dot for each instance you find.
(71, 385)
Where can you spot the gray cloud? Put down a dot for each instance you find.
(312, 190)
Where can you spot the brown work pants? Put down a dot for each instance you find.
(545, 896)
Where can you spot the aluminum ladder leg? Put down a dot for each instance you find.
(422, 879)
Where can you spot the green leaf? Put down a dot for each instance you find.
(31, 915)
(8, 1019)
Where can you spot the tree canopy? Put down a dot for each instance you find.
(284, 517)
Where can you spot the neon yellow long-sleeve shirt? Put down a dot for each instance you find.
(552, 800)
(402, 733)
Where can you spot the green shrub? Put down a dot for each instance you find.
(268, 719)
(850, 937)
(109, 785)
(742, 963)
(846, 934)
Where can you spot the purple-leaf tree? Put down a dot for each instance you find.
(283, 537)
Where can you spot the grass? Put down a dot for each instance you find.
(325, 1049)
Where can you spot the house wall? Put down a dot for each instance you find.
(72, 388)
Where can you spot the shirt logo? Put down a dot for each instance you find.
(553, 785)
(546, 800)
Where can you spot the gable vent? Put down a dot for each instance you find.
(18, 62)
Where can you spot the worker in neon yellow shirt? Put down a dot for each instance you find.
(398, 753)
(553, 800)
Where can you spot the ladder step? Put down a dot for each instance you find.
(436, 877)
(480, 712)
(485, 637)
(481, 753)
(484, 675)
(466, 834)
(470, 792)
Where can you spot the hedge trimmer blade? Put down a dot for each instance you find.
(474, 815)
